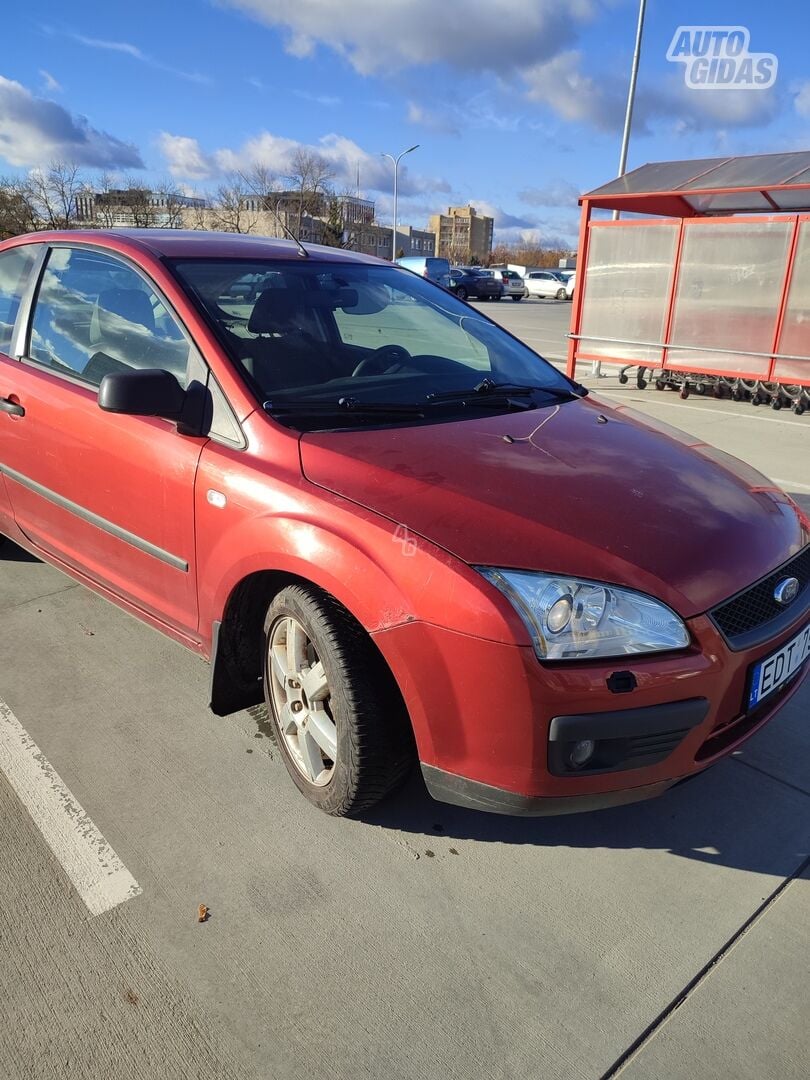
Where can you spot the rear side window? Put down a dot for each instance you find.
(94, 315)
(15, 266)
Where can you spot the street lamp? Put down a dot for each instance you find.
(396, 166)
(631, 94)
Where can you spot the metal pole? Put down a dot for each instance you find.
(631, 94)
(396, 161)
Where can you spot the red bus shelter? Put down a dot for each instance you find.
(710, 273)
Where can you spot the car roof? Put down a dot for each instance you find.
(195, 244)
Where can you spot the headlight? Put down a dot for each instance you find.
(570, 619)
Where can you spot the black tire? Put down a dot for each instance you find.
(561, 294)
(517, 299)
(375, 749)
(461, 293)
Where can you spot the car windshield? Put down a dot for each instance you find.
(371, 335)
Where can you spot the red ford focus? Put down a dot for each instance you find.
(364, 502)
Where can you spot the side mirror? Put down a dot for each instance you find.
(142, 392)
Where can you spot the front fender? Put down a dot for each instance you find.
(382, 574)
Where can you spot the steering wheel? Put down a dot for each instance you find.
(388, 358)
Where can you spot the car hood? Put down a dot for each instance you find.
(578, 488)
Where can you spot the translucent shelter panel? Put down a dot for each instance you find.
(627, 286)
(734, 201)
(797, 198)
(728, 294)
(794, 339)
(658, 176)
(758, 170)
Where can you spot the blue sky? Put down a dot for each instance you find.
(516, 104)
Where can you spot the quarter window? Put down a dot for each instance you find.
(95, 315)
(15, 266)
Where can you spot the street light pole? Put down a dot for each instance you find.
(631, 94)
(396, 167)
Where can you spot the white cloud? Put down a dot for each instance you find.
(184, 157)
(801, 101)
(431, 120)
(599, 100)
(34, 131)
(136, 54)
(556, 193)
(493, 35)
(327, 100)
(187, 160)
(559, 84)
(476, 112)
(49, 84)
(501, 219)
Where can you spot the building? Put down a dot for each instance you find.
(411, 241)
(316, 218)
(126, 208)
(462, 234)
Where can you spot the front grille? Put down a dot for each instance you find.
(755, 607)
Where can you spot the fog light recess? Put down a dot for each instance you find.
(581, 753)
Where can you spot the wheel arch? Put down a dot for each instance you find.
(237, 642)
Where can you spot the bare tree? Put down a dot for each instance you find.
(310, 176)
(17, 213)
(54, 192)
(234, 205)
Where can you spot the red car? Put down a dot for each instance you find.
(369, 505)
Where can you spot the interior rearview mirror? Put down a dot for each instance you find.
(142, 392)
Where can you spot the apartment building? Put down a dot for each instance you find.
(462, 234)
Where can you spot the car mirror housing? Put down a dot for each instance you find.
(142, 392)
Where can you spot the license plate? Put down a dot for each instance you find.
(773, 672)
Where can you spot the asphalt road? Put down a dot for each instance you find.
(668, 939)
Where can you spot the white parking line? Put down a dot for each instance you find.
(97, 874)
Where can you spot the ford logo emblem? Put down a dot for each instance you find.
(786, 591)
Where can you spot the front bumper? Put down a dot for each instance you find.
(473, 795)
(492, 723)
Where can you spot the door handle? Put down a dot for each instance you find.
(13, 407)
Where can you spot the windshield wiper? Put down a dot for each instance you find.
(307, 407)
(489, 390)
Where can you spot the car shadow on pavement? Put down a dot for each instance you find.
(10, 552)
(732, 815)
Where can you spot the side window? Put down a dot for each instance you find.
(15, 266)
(94, 315)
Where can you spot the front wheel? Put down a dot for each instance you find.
(336, 713)
(561, 294)
(461, 293)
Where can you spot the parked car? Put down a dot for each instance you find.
(412, 537)
(510, 279)
(570, 285)
(469, 282)
(431, 267)
(545, 283)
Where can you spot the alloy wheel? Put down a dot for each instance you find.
(301, 701)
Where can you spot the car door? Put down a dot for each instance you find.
(16, 266)
(111, 496)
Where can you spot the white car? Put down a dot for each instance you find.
(571, 285)
(545, 283)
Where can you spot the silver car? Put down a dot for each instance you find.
(513, 284)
